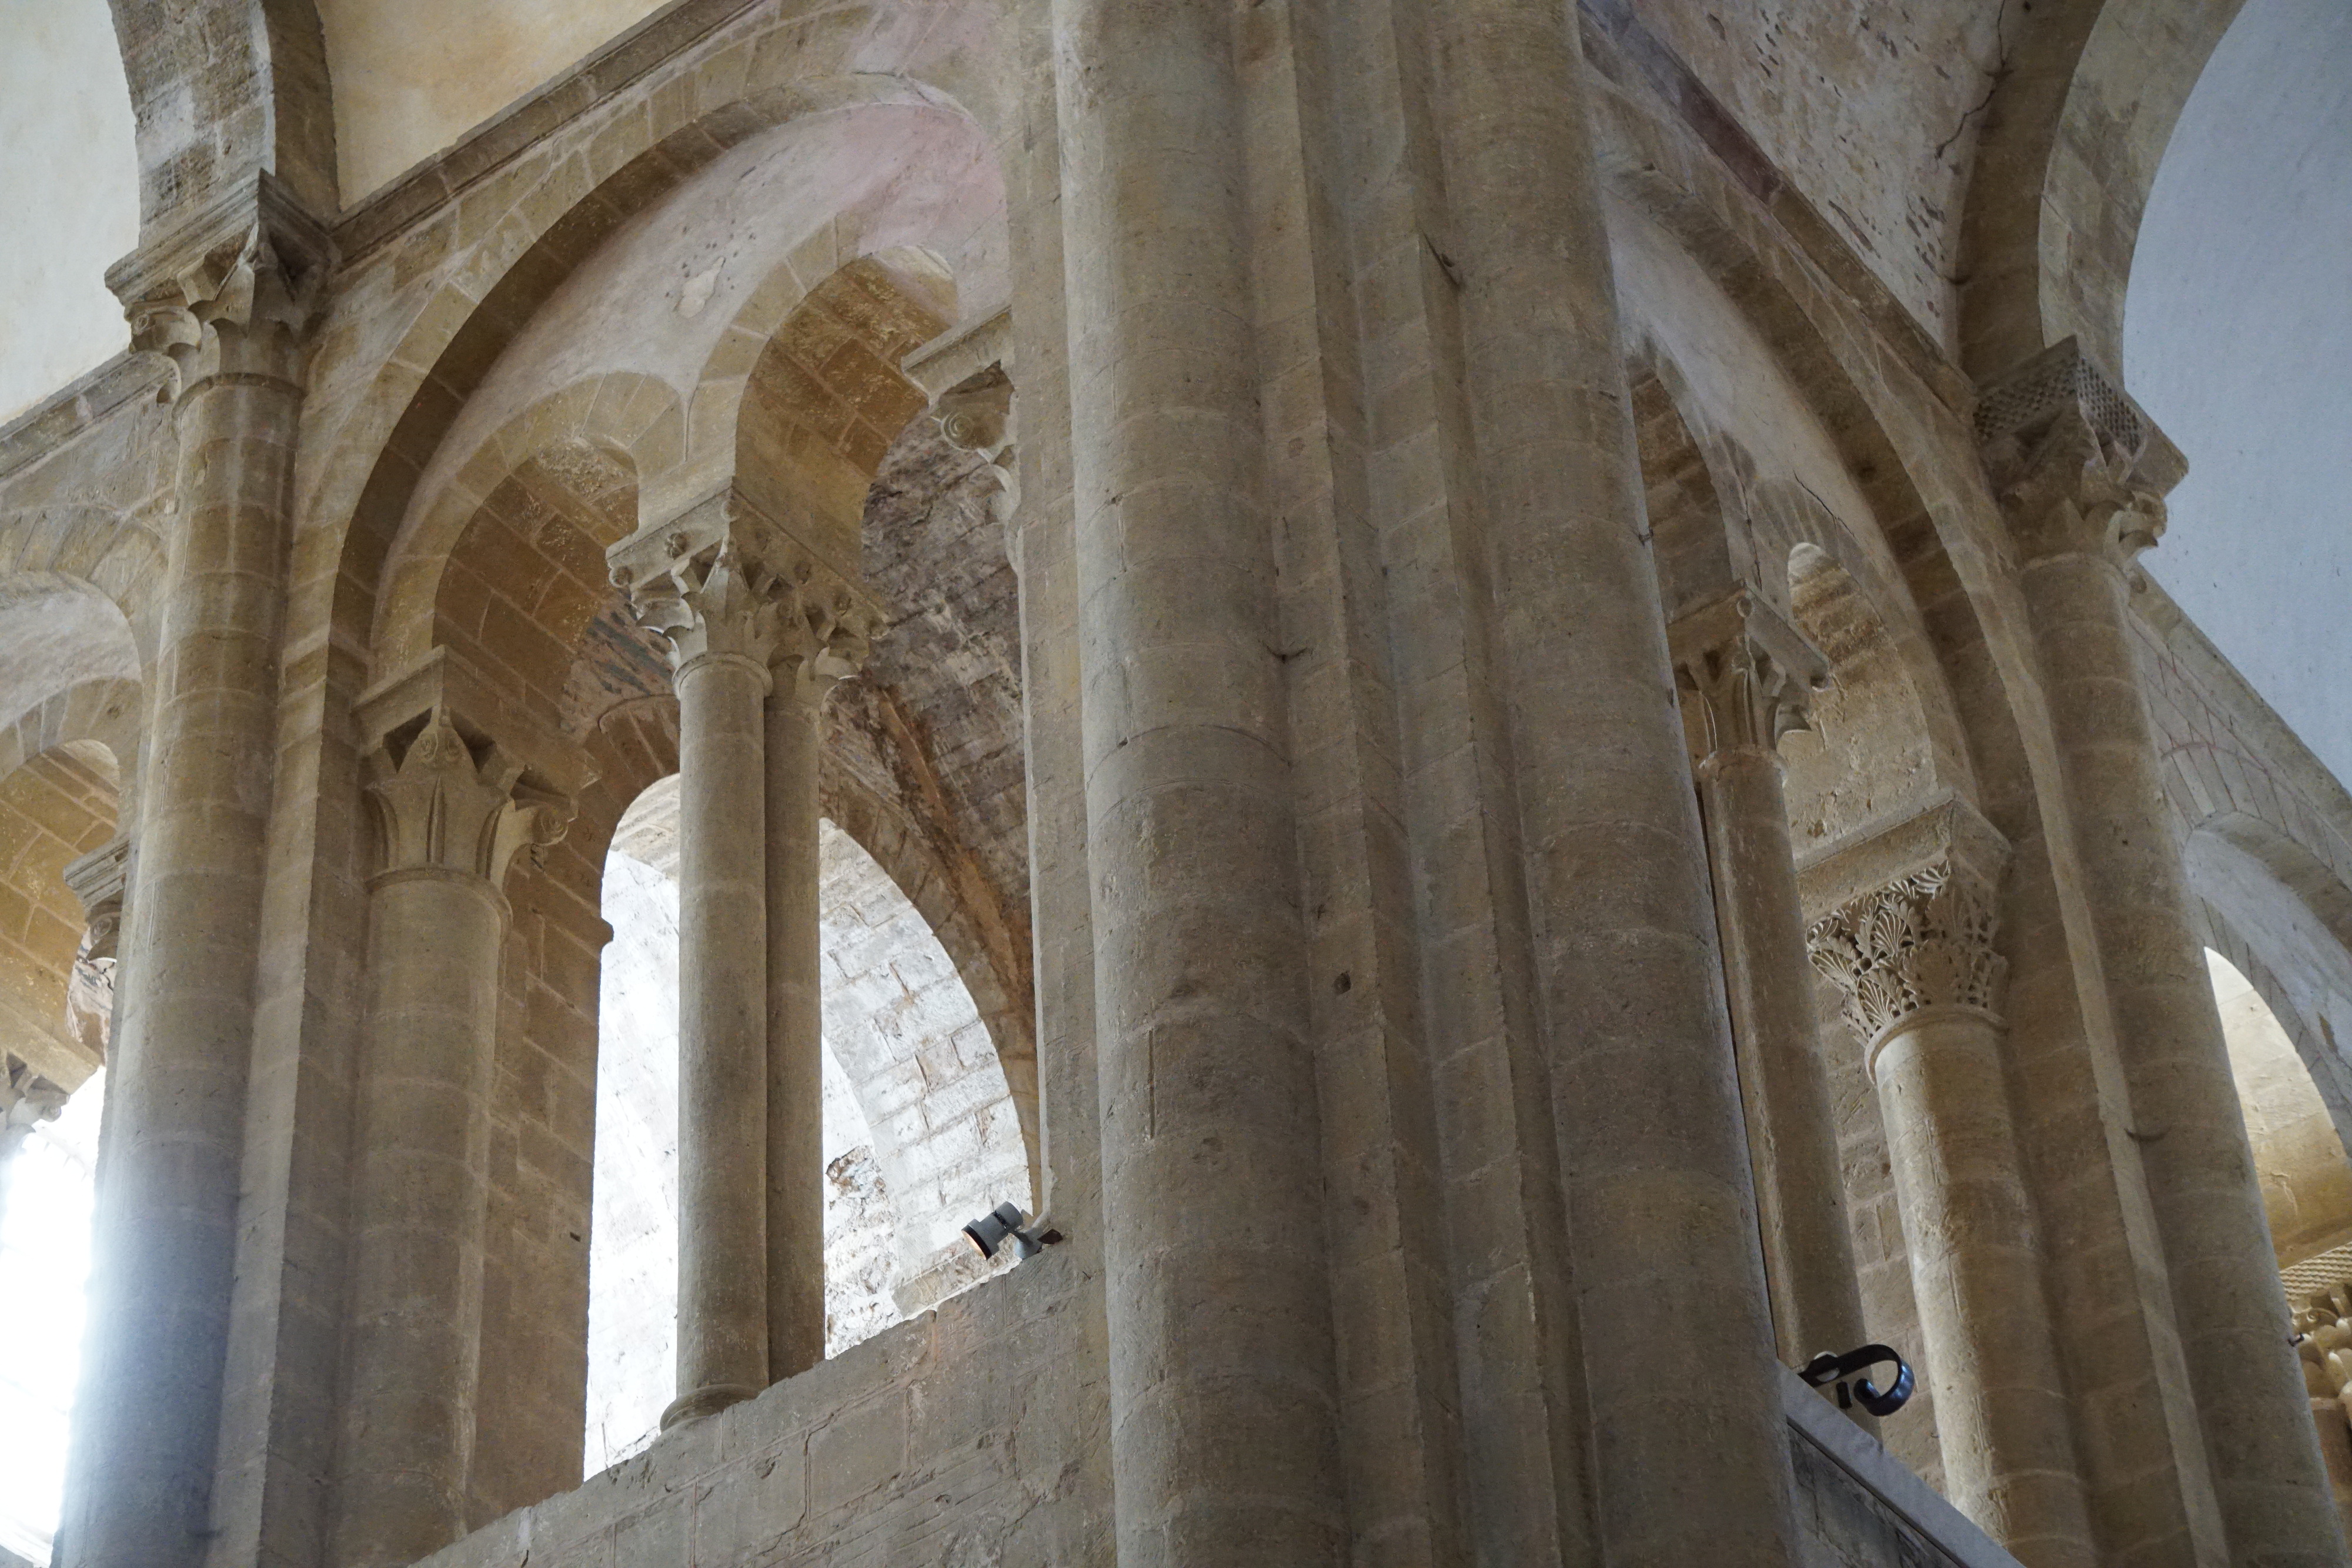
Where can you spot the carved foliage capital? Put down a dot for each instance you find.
(1754, 673)
(716, 584)
(447, 804)
(237, 289)
(2078, 468)
(2066, 490)
(1924, 940)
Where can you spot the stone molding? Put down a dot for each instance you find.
(724, 580)
(98, 880)
(1924, 941)
(2076, 466)
(454, 794)
(254, 262)
(1753, 672)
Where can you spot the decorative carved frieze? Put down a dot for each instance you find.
(252, 267)
(724, 579)
(2077, 467)
(1753, 673)
(1924, 940)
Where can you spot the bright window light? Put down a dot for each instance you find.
(44, 1270)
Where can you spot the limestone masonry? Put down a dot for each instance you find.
(1468, 688)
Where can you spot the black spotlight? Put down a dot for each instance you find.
(1831, 1367)
(1005, 1223)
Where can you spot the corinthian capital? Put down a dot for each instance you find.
(724, 580)
(1924, 940)
(2077, 467)
(235, 288)
(1753, 674)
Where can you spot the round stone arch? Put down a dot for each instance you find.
(457, 333)
(115, 556)
(575, 448)
(1690, 485)
(2283, 920)
(2072, 137)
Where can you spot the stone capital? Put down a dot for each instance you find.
(1753, 674)
(724, 580)
(2077, 467)
(1912, 920)
(1923, 941)
(976, 415)
(235, 290)
(460, 785)
(98, 880)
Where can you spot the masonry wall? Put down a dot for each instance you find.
(972, 1435)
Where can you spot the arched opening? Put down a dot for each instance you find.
(919, 1129)
(2298, 1157)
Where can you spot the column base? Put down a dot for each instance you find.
(704, 1402)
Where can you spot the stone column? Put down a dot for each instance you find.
(1917, 961)
(454, 809)
(1223, 1385)
(819, 642)
(228, 299)
(2078, 471)
(717, 610)
(1662, 1230)
(1750, 676)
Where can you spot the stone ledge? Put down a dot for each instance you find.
(1814, 1420)
(50, 423)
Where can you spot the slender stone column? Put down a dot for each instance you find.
(454, 809)
(1222, 1386)
(2078, 470)
(1751, 675)
(229, 300)
(1916, 959)
(816, 647)
(1661, 1227)
(718, 608)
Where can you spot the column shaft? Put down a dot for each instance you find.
(419, 1204)
(796, 1154)
(1784, 1087)
(1662, 1226)
(1223, 1384)
(2000, 1405)
(2191, 1132)
(148, 1413)
(1917, 961)
(722, 1091)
